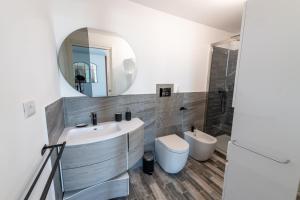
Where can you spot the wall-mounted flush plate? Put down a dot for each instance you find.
(29, 109)
(164, 90)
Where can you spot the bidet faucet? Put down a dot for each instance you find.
(192, 128)
(93, 116)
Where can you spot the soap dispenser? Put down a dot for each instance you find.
(128, 115)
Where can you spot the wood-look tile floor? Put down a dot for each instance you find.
(198, 181)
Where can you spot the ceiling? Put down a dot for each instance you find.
(222, 14)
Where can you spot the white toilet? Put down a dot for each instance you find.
(171, 153)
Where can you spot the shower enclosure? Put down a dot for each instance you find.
(219, 110)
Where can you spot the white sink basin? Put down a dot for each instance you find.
(103, 131)
(92, 131)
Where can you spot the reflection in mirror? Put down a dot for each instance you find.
(97, 63)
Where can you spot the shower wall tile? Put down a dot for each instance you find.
(232, 62)
(218, 69)
(218, 117)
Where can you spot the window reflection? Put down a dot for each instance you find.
(84, 74)
(93, 73)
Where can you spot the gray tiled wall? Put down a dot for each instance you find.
(55, 120)
(161, 115)
(195, 113)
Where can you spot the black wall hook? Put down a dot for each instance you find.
(182, 108)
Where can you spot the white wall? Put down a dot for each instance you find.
(28, 72)
(168, 49)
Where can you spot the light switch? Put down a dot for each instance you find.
(29, 109)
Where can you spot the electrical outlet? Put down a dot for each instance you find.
(29, 109)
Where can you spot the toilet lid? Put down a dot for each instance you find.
(174, 143)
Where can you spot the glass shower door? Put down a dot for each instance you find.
(219, 110)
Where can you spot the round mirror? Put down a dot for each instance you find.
(97, 63)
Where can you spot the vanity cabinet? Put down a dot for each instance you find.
(89, 175)
(88, 164)
(110, 189)
(90, 168)
(88, 154)
(136, 146)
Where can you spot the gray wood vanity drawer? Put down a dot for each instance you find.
(118, 187)
(136, 146)
(88, 154)
(135, 155)
(136, 138)
(86, 176)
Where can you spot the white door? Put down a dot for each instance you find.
(251, 176)
(267, 104)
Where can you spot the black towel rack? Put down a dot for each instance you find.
(60, 149)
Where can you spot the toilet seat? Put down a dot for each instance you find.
(174, 143)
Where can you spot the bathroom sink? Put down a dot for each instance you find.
(92, 132)
(100, 132)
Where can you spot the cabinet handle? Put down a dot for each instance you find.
(234, 142)
(128, 142)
